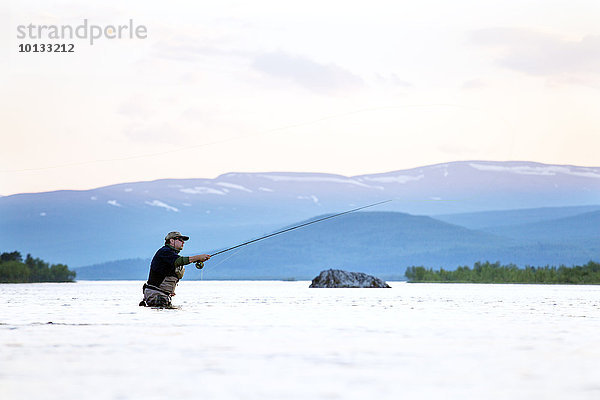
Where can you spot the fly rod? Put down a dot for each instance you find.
(298, 226)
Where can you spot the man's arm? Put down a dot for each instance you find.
(180, 263)
(188, 260)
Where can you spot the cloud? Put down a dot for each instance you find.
(297, 69)
(541, 54)
(185, 50)
(135, 108)
(160, 132)
(321, 78)
(473, 84)
(394, 81)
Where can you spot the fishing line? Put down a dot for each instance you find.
(213, 267)
(298, 226)
(241, 245)
(252, 135)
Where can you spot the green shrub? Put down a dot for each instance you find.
(14, 270)
(486, 272)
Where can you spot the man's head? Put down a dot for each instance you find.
(176, 240)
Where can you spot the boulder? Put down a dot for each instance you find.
(336, 278)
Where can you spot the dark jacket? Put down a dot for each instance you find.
(163, 265)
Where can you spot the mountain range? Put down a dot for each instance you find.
(385, 243)
(495, 208)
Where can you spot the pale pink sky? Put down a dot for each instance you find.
(313, 86)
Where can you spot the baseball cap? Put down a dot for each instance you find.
(174, 235)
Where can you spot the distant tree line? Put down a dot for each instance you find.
(495, 273)
(14, 270)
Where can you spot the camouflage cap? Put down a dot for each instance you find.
(174, 235)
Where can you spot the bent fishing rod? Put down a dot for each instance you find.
(199, 264)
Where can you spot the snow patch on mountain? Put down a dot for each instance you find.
(234, 186)
(202, 190)
(401, 179)
(445, 168)
(549, 170)
(264, 189)
(314, 179)
(158, 203)
(312, 197)
(114, 203)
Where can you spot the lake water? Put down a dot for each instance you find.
(282, 340)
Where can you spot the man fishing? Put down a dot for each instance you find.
(166, 269)
(167, 266)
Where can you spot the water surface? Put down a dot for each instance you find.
(282, 340)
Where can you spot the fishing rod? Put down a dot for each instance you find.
(199, 264)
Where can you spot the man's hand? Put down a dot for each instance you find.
(199, 257)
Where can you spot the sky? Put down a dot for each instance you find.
(338, 87)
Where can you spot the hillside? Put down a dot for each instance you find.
(382, 243)
(499, 218)
(367, 240)
(578, 228)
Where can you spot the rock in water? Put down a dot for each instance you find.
(336, 278)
